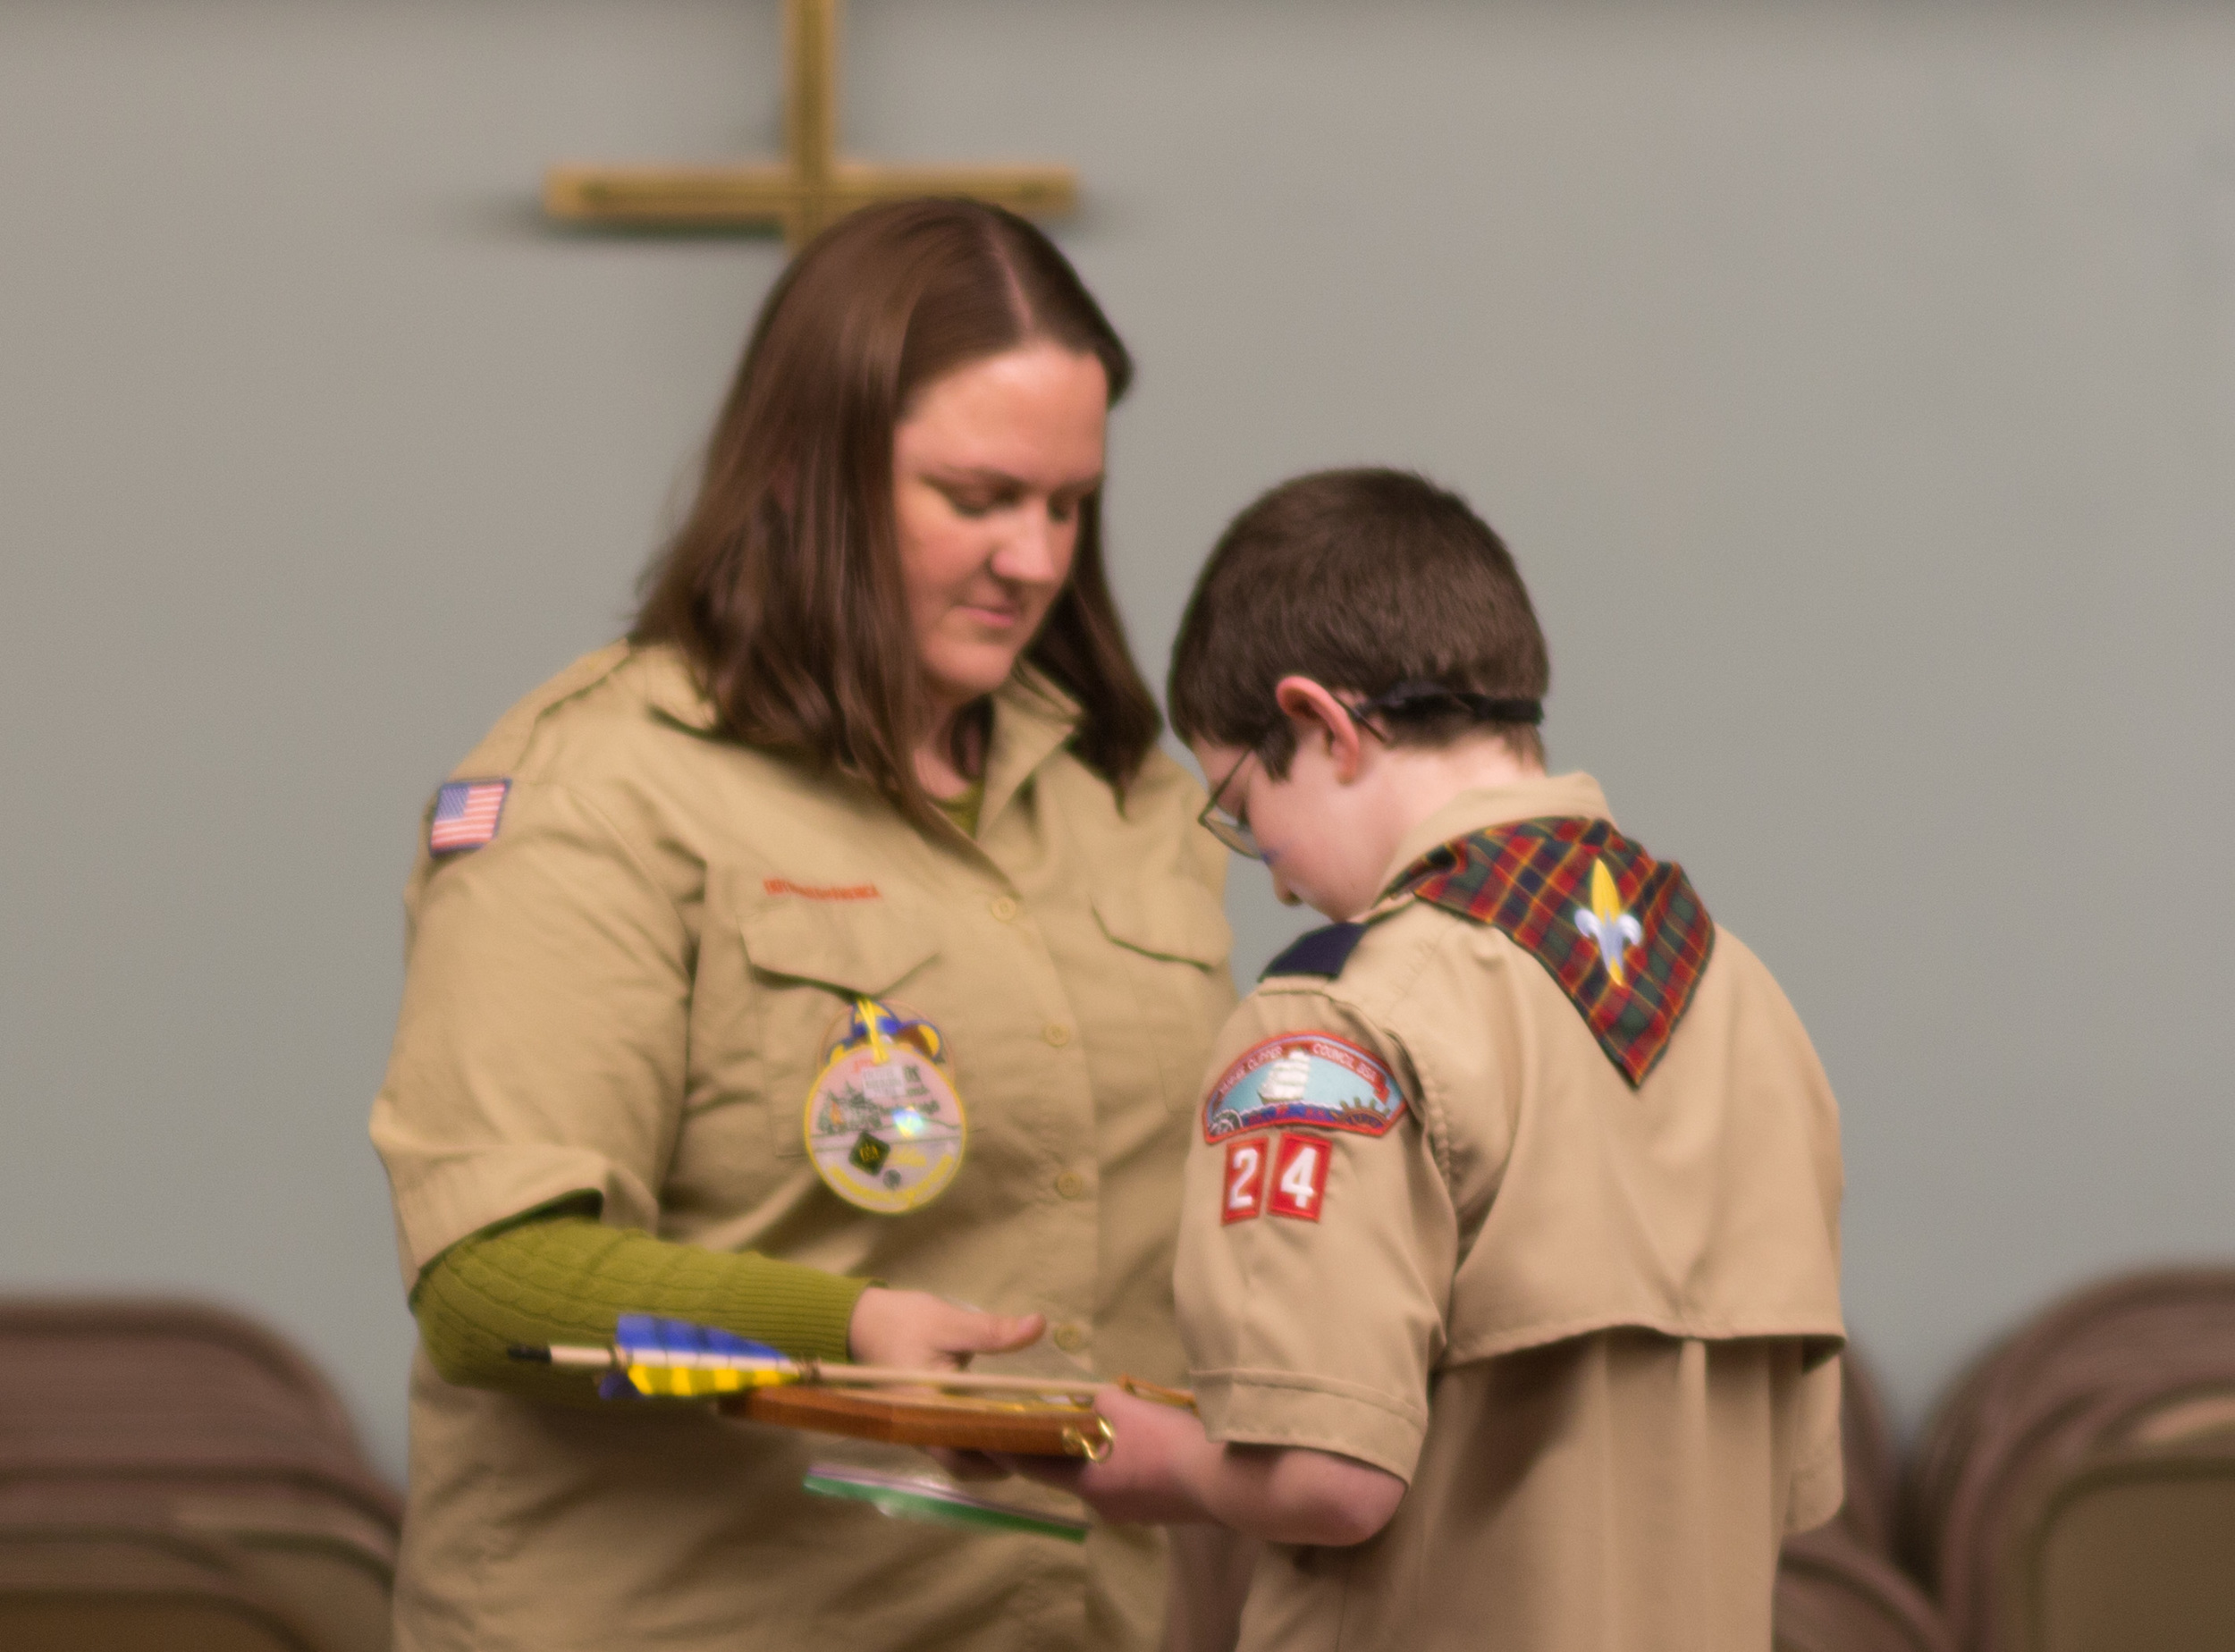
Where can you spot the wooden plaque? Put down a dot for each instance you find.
(1026, 1428)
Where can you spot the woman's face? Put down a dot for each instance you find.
(990, 466)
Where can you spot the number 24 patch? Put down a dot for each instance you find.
(1289, 1179)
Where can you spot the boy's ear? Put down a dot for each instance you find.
(1320, 719)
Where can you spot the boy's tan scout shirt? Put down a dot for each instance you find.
(1590, 1325)
(626, 991)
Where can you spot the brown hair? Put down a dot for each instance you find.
(1361, 580)
(783, 586)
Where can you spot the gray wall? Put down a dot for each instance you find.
(1856, 386)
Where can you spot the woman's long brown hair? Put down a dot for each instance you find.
(783, 585)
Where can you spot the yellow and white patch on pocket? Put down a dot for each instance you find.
(884, 1124)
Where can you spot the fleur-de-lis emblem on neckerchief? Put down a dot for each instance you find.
(1606, 922)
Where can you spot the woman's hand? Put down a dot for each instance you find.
(918, 1330)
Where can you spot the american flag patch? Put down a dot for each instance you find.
(466, 814)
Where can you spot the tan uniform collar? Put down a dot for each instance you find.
(1555, 795)
(673, 688)
(1033, 718)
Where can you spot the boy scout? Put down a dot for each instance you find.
(1509, 1266)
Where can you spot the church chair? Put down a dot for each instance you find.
(2076, 1490)
(174, 1475)
(1835, 1595)
(1873, 1464)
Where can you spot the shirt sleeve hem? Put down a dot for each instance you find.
(455, 1197)
(1281, 1408)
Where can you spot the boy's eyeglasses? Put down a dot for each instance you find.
(1231, 830)
(1234, 829)
(1411, 696)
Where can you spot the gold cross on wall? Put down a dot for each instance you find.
(813, 187)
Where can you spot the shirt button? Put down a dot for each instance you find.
(1005, 908)
(1070, 1338)
(1056, 1033)
(1070, 1184)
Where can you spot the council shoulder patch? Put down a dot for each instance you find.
(1313, 1079)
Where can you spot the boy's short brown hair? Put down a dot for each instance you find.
(1361, 580)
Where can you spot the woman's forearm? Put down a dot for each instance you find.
(563, 1278)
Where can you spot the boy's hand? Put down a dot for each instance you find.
(1163, 1470)
(1153, 1473)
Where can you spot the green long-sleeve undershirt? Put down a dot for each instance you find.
(560, 1277)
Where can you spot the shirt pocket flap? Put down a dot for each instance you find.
(863, 948)
(1166, 918)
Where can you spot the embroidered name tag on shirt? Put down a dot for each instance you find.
(1304, 1078)
(467, 813)
(820, 891)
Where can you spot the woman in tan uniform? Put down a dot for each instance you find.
(874, 765)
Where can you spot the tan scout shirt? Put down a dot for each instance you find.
(1589, 1324)
(626, 991)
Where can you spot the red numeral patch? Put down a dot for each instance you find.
(1300, 1176)
(1244, 1186)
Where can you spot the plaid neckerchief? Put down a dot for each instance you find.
(1533, 881)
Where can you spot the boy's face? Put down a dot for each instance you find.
(1318, 834)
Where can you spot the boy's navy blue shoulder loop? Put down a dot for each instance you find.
(1319, 952)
